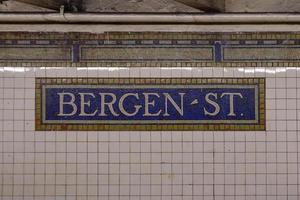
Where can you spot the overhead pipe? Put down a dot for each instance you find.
(166, 18)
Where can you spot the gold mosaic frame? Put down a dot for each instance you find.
(39, 126)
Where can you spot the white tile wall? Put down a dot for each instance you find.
(149, 165)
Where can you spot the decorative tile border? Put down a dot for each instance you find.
(259, 82)
(200, 49)
(141, 64)
(75, 37)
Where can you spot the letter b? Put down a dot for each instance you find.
(62, 103)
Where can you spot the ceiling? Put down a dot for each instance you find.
(150, 6)
(107, 5)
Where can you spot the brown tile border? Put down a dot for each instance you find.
(116, 64)
(151, 35)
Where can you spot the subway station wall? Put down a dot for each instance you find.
(228, 129)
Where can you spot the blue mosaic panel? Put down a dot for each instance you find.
(150, 104)
(235, 102)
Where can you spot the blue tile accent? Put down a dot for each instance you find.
(218, 51)
(76, 53)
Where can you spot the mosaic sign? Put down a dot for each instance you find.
(150, 104)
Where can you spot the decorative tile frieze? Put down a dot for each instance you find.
(150, 46)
